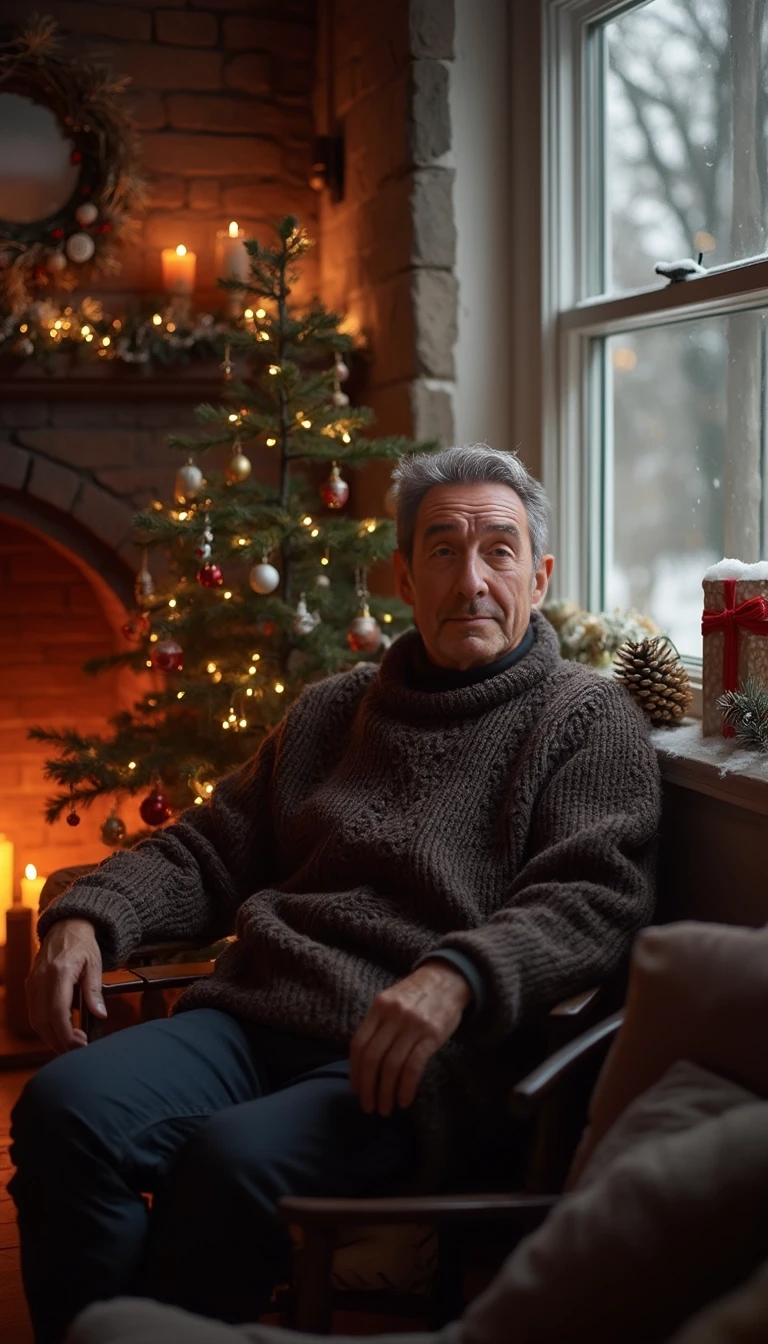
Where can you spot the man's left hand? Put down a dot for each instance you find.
(406, 1025)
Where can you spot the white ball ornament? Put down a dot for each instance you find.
(264, 578)
(340, 398)
(322, 581)
(86, 214)
(56, 261)
(189, 481)
(80, 247)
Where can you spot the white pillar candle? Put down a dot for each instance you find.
(31, 886)
(232, 261)
(6, 873)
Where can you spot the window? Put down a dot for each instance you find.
(656, 126)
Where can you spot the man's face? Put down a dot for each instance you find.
(471, 581)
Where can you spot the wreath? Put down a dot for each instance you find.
(80, 239)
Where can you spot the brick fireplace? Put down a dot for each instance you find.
(228, 95)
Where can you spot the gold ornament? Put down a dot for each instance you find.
(655, 677)
(238, 469)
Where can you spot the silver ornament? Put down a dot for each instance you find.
(264, 578)
(203, 547)
(80, 247)
(322, 581)
(342, 372)
(86, 213)
(340, 398)
(304, 621)
(364, 633)
(189, 480)
(144, 585)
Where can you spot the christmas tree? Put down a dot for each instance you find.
(266, 583)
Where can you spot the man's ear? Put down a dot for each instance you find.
(403, 578)
(541, 579)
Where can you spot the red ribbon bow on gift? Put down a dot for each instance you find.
(750, 616)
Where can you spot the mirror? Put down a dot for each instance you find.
(37, 176)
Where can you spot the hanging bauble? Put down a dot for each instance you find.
(203, 547)
(137, 627)
(56, 261)
(210, 576)
(155, 808)
(340, 398)
(266, 628)
(189, 481)
(264, 578)
(238, 468)
(73, 817)
(304, 621)
(364, 634)
(86, 214)
(80, 247)
(334, 492)
(112, 830)
(167, 656)
(342, 372)
(322, 580)
(144, 584)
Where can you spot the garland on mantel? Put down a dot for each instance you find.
(150, 336)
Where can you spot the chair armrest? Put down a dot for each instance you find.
(319, 1212)
(527, 1095)
(578, 1004)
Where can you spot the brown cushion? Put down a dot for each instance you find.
(669, 1216)
(696, 991)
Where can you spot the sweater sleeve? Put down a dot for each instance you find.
(587, 882)
(189, 879)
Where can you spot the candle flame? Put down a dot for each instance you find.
(181, 250)
(233, 229)
(30, 871)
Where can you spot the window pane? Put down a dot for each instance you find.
(683, 463)
(684, 87)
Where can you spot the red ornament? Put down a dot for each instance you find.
(73, 818)
(334, 492)
(167, 656)
(104, 228)
(76, 156)
(364, 634)
(57, 233)
(85, 191)
(155, 808)
(210, 576)
(266, 628)
(137, 627)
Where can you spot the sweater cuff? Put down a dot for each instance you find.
(471, 972)
(118, 931)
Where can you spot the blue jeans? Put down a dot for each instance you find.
(216, 1118)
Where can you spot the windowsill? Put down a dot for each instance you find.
(712, 765)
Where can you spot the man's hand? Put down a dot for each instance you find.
(406, 1025)
(69, 955)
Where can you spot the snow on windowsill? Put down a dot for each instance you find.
(713, 765)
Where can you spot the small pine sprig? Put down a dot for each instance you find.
(746, 712)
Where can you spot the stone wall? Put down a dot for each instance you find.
(388, 247)
(222, 93)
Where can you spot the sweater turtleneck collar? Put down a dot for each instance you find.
(396, 680)
(427, 676)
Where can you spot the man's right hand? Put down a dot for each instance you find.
(69, 955)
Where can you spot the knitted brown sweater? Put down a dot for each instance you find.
(512, 820)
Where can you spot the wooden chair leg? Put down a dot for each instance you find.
(313, 1289)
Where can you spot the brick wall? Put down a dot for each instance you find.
(222, 92)
(51, 621)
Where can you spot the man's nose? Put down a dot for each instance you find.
(471, 580)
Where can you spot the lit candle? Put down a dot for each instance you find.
(178, 270)
(6, 873)
(31, 886)
(232, 262)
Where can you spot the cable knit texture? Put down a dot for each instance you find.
(512, 820)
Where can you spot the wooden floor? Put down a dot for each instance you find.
(14, 1321)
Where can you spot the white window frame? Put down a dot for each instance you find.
(555, 240)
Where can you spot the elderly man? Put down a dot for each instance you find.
(420, 856)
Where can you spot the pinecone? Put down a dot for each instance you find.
(654, 675)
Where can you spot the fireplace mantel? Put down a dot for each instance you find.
(190, 382)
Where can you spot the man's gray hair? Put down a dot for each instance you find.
(465, 464)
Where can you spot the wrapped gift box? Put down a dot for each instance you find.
(734, 632)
